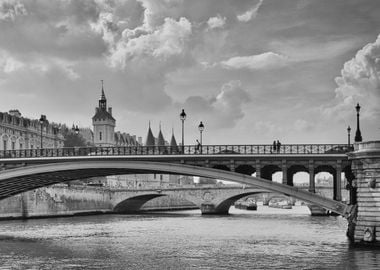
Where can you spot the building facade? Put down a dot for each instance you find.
(18, 132)
(103, 123)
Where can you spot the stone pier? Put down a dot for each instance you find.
(364, 227)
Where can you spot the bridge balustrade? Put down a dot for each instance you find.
(185, 150)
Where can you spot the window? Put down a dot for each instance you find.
(100, 135)
(13, 145)
(5, 145)
(21, 145)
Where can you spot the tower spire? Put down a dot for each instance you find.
(103, 100)
(102, 96)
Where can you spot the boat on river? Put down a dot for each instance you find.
(281, 205)
(246, 205)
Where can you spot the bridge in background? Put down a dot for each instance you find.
(29, 169)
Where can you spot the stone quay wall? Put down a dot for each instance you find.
(366, 168)
(62, 200)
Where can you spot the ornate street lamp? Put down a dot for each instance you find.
(201, 127)
(348, 135)
(76, 130)
(42, 122)
(182, 116)
(358, 135)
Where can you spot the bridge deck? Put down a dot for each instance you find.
(286, 149)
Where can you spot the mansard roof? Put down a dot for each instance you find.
(119, 138)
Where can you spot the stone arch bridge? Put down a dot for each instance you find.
(210, 200)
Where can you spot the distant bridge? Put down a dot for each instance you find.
(210, 200)
(29, 169)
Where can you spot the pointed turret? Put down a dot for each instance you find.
(160, 139)
(173, 142)
(149, 138)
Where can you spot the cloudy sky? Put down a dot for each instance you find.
(251, 70)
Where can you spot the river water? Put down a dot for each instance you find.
(265, 239)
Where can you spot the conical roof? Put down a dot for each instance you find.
(160, 140)
(102, 96)
(149, 138)
(173, 141)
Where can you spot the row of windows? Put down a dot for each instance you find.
(13, 145)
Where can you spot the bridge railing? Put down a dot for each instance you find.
(180, 150)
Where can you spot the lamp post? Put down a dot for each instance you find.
(42, 121)
(358, 135)
(76, 130)
(201, 127)
(348, 136)
(182, 116)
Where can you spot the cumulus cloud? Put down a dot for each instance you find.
(155, 11)
(10, 9)
(106, 27)
(306, 49)
(359, 82)
(250, 14)
(225, 108)
(9, 64)
(265, 60)
(167, 40)
(216, 22)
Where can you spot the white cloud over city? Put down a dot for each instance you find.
(250, 70)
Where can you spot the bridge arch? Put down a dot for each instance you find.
(267, 171)
(15, 181)
(245, 169)
(134, 204)
(325, 168)
(292, 170)
(223, 206)
(221, 167)
(220, 201)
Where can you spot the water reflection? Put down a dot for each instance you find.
(265, 239)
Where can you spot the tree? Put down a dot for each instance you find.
(72, 139)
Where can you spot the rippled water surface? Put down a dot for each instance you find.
(264, 239)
